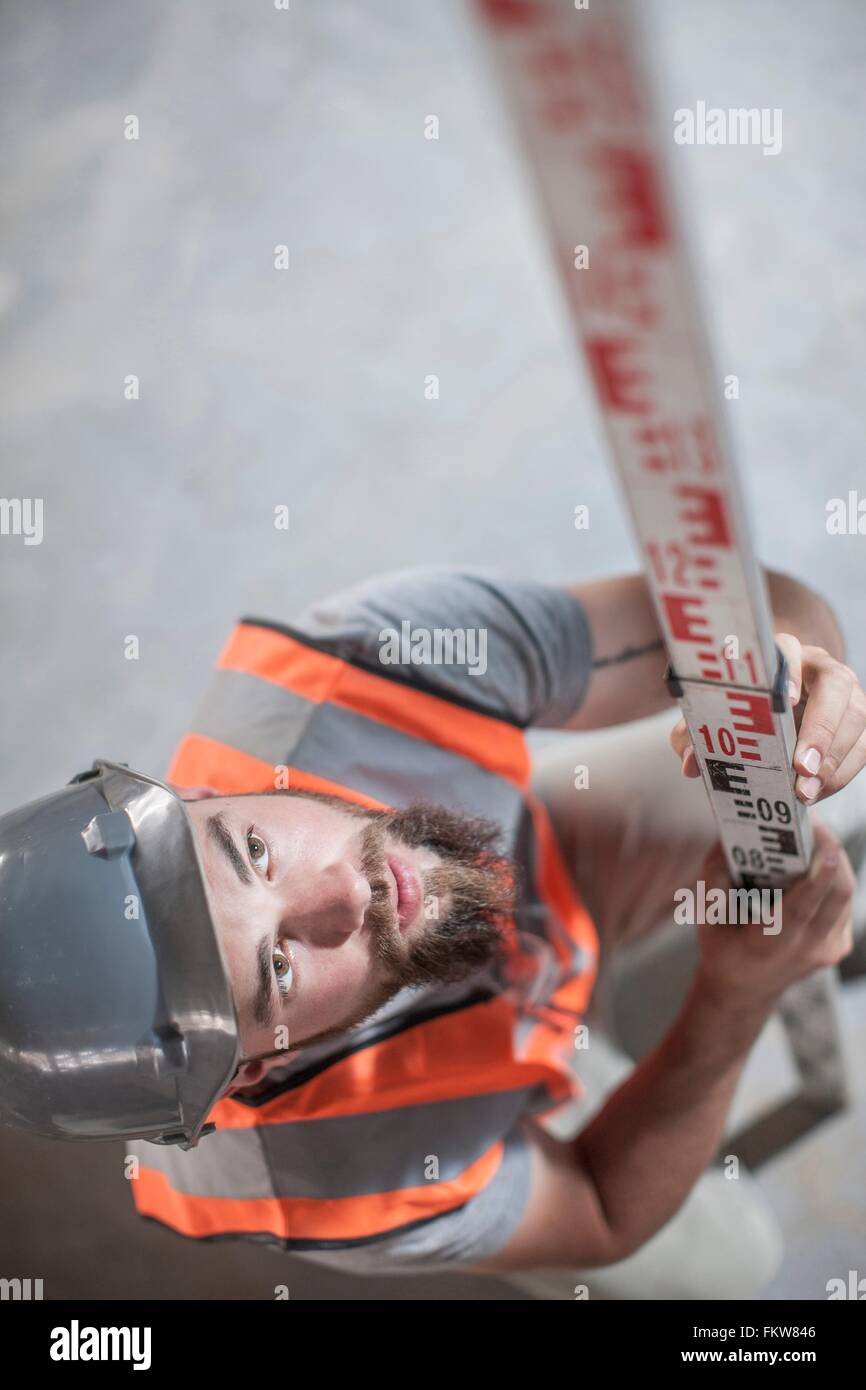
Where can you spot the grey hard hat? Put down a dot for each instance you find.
(116, 1013)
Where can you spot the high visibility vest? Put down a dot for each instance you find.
(403, 1121)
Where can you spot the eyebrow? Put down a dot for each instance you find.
(264, 1007)
(221, 836)
(264, 1010)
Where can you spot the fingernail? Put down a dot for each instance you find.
(809, 786)
(830, 857)
(811, 759)
(792, 691)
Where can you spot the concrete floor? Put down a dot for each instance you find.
(408, 257)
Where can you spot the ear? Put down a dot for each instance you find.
(251, 1073)
(193, 793)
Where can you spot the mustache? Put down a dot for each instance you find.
(380, 917)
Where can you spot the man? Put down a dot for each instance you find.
(409, 987)
(572, 661)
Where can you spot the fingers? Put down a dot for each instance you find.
(830, 933)
(679, 738)
(830, 687)
(793, 654)
(820, 900)
(714, 869)
(831, 738)
(807, 897)
(840, 899)
(825, 893)
(682, 746)
(849, 743)
(850, 765)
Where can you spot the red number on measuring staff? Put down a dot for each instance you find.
(617, 380)
(687, 617)
(750, 662)
(662, 448)
(726, 740)
(634, 195)
(678, 557)
(706, 516)
(750, 713)
(669, 448)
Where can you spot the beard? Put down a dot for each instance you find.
(466, 896)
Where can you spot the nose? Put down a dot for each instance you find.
(329, 906)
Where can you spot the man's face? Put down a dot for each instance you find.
(325, 910)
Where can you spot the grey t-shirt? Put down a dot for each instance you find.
(527, 645)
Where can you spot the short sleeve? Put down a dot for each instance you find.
(514, 648)
(472, 1233)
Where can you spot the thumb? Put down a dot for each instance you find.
(714, 869)
(792, 651)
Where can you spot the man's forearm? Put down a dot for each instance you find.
(629, 659)
(655, 1136)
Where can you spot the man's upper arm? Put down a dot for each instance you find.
(562, 1223)
(628, 653)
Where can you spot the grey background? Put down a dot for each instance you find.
(408, 257)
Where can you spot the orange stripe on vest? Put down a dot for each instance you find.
(201, 761)
(465, 1053)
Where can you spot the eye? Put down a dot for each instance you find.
(283, 969)
(258, 851)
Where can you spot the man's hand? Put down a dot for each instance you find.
(830, 715)
(741, 964)
(596, 1199)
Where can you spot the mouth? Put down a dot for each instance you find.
(408, 886)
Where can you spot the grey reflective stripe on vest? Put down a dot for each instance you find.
(345, 1155)
(227, 1163)
(253, 715)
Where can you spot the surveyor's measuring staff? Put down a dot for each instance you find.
(575, 85)
(573, 80)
